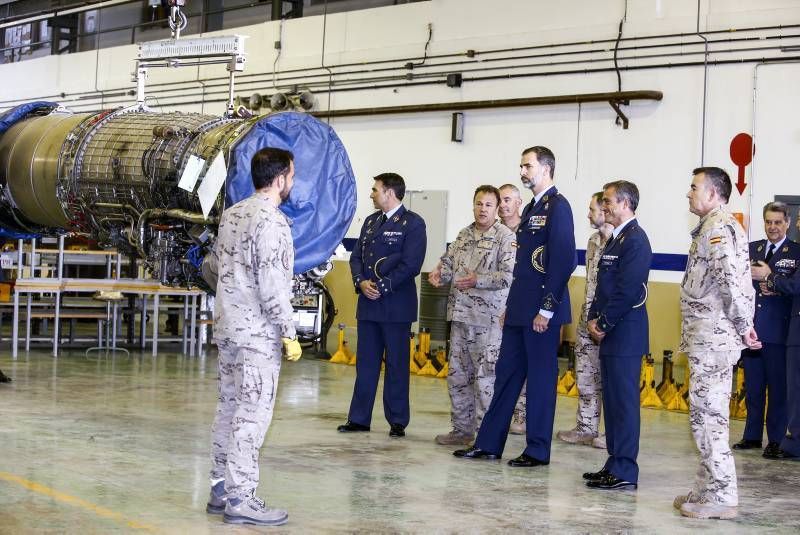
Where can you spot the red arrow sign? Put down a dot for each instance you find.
(742, 151)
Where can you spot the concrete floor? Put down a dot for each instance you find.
(121, 445)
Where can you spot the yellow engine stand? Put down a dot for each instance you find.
(426, 368)
(678, 401)
(343, 354)
(738, 405)
(413, 367)
(648, 395)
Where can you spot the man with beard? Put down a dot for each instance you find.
(538, 305)
(587, 353)
(254, 257)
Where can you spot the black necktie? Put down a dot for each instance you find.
(770, 251)
(382, 220)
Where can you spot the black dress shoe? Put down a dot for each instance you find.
(774, 452)
(596, 476)
(610, 482)
(352, 427)
(476, 453)
(397, 430)
(745, 444)
(526, 461)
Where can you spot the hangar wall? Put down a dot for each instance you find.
(658, 151)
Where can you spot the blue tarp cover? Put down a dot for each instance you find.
(323, 200)
(8, 119)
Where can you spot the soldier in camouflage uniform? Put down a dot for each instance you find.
(254, 259)
(717, 307)
(587, 353)
(480, 264)
(510, 203)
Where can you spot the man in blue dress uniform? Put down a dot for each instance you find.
(538, 304)
(384, 263)
(618, 323)
(765, 368)
(774, 281)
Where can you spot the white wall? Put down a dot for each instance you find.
(658, 152)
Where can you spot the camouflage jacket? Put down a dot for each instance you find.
(255, 258)
(491, 256)
(717, 296)
(594, 251)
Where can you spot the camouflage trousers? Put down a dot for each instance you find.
(590, 387)
(248, 381)
(470, 380)
(520, 408)
(710, 375)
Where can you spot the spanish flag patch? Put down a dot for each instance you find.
(716, 240)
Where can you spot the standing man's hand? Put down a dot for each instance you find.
(540, 323)
(470, 280)
(594, 332)
(435, 276)
(760, 271)
(369, 289)
(751, 339)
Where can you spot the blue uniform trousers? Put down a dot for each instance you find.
(373, 338)
(765, 371)
(791, 443)
(524, 354)
(620, 376)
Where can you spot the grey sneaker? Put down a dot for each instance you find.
(252, 510)
(573, 436)
(707, 510)
(217, 499)
(454, 438)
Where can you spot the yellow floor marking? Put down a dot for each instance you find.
(74, 501)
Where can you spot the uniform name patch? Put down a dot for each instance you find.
(392, 233)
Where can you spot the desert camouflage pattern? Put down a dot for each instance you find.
(254, 255)
(710, 375)
(475, 333)
(587, 353)
(470, 381)
(491, 255)
(248, 382)
(717, 295)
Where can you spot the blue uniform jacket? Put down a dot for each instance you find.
(391, 255)
(789, 286)
(546, 258)
(621, 294)
(773, 311)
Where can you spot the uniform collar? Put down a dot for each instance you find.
(708, 217)
(617, 230)
(393, 211)
(537, 198)
(489, 231)
(777, 245)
